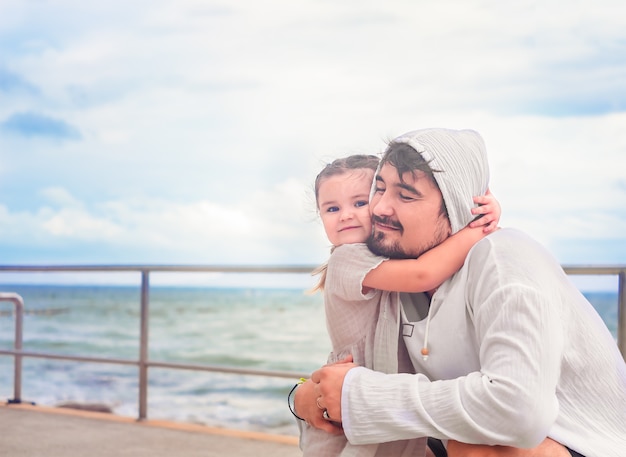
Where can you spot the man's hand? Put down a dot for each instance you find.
(328, 382)
(306, 407)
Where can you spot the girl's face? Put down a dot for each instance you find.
(343, 203)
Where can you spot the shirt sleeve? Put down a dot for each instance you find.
(348, 266)
(511, 400)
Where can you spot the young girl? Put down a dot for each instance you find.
(357, 287)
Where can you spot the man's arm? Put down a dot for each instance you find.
(327, 384)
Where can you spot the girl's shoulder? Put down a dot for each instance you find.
(355, 256)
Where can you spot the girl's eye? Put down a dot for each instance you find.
(361, 203)
(379, 190)
(406, 198)
(332, 209)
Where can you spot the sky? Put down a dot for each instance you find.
(190, 132)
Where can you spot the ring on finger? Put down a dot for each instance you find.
(325, 415)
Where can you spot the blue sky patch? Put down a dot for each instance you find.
(37, 125)
(11, 83)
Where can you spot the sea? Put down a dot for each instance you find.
(255, 328)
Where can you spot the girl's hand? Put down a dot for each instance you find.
(489, 209)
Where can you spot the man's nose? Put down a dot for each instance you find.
(381, 206)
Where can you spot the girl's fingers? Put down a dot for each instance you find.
(489, 209)
(488, 220)
(482, 200)
(484, 209)
(491, 227)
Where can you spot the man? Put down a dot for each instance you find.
(508, 354)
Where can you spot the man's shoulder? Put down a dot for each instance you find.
(509, 233)
(509, 246)
(508, 239)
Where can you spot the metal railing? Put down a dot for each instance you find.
(18, 302)
(143, 363)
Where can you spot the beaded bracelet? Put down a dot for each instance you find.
(293, 389)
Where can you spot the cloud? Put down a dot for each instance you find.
(32, 125)
(203, 124)
(268, 228)
(60, 196)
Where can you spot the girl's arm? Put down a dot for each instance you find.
(433, 267)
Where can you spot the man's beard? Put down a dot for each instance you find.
(376, 241)
(376, 244)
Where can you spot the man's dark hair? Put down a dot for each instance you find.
(406, 159)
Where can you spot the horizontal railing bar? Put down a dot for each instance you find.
(569, 269)
(230, 370)
(168, 268)
(594, 270)
(160, 364)
(75, 358)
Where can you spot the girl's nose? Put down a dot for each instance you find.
(347, 214)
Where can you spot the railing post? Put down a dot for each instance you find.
(143, 344)
(17, 343)
(621, 312)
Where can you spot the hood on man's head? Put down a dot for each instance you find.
(460, 157)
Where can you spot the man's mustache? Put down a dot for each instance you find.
(385, 220)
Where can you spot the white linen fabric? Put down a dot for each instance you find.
(516, 354)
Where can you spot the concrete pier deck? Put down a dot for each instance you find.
(34, 431)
